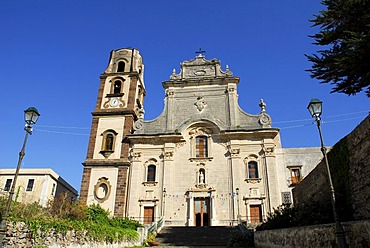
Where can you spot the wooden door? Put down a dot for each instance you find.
(201, 211)
(148, 215)
(255, 213)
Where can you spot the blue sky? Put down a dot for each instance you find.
(52, 53)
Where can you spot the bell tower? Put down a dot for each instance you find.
(118, 106)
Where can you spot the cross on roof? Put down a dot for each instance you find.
(200, 51)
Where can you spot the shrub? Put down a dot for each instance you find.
(62, 207)
(63, 215)
(308, 213)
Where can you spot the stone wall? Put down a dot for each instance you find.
(19, 235)
(357, 235)
(359, 144)
(350, 168)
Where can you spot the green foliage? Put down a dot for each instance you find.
(2, 205)
(63, 215)
(309, 213)
(151, 237)
(239, 239)
(31, 211)
(312, 212)
(281, 217)
(345, 36)
(62, 207)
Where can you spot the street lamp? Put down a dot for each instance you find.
(164, 201)
(31, 116)
(315, 108)
(237, 199)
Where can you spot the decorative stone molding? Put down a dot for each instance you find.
(231, 89)
(136, 156)
(140, 113)
(144, 200)
(168, 155)
(106, 154)
(138, 125)
(200, 68)
(234, 152)
(109, 103)
(201, 164)
(180, 144)
(253, 180)
(201, 186)
(269, 150)
(265, 120)
(170, 93)
(150, 184)
(102, 189)
(200, 159)
(200, 131)
(200, 103)
(174, 76)
(262, 106)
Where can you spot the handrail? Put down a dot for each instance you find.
(156, 226)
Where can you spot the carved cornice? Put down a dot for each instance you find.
(200, 159)
(105, 162)
(150, 184)
(253, 180)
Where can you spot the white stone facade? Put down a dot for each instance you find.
(203, 161)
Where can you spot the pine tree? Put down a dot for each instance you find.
(344, 35)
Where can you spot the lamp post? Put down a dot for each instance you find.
(315, 108)
(164, 201)
(237, 200)
(31, 116)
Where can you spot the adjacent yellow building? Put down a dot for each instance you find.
(35, 185)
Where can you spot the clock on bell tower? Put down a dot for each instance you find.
(120, 100)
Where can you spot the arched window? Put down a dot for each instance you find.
(109, 142)
(150, 177)
(121, 66)
(117, 87)
(201, 147)
(252, 169)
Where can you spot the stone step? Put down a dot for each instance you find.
(215, 236)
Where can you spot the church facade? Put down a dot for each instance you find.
(203, 162)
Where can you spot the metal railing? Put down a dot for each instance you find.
(156, 226)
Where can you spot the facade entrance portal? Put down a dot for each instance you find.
(201, 211)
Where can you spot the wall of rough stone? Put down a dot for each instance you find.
(359, 144)
(350, 168)
(357, 235)
(19, 235)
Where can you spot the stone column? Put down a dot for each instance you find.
(167, 155)
(272, 192)
(234, 152)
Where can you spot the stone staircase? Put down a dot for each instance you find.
(215, 236)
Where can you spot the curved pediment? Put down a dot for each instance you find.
(200, 67)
